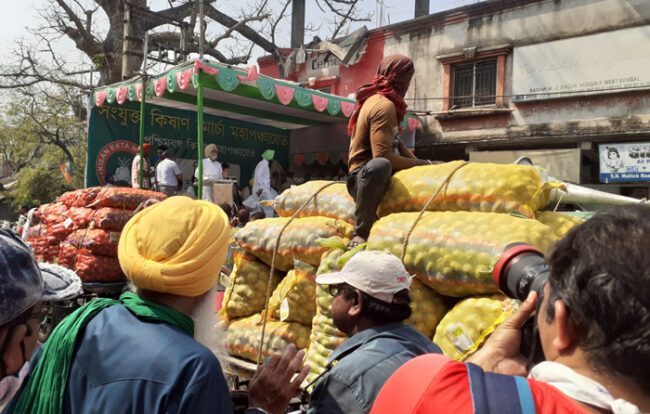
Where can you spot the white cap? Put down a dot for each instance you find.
(375, 273)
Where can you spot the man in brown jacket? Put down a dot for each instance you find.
(375, 150)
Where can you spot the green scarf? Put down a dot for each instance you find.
(45, 390)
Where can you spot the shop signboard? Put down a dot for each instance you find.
(113, 136)
(594, 64)
(625, 162)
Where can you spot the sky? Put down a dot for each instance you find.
(14, 24)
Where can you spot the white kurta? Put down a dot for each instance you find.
(212, 170)
(262, 181)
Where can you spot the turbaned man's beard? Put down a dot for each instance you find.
(206, 326)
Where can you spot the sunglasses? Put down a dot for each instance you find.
(336, 290)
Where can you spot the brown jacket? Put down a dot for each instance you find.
(373, 136)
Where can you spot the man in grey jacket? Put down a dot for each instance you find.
(371, 299)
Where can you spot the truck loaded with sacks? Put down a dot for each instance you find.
(449, 223)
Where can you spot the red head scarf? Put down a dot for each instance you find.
(146, 148)
(393, 78)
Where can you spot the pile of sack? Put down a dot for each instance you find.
(451, 250)
(80, 230)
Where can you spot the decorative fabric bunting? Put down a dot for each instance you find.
(171, 83)
(131, 93)
(347, 108)
(334, 106)
(335, 157)
(120, 94)
(404, 123)
(195, 79)
(110, 96)
(150, 90)
(322, 157)
(138, 91)
(205, 68)
(298, 159)
(159, 86)
(227, 79)
(266, 87)
(320, 102)
(302, 97)
(183, 78)
(99, 98)
(413, 123)
(252, 75)
(285, 93)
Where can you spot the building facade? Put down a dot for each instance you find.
(563, 81)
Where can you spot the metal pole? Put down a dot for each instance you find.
(142, 105)
(201, 30)
(199, 109)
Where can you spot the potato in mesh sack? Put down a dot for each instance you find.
(98, 241)
(111, 218)
(90, 267)
(246, 294)
(80, 216)
(427, 308)
(498, 188)
(243, 337)
(298, 240)
(558, 222)
(294, 299)
(470, 322)
(454, 252)
(124, 197)
(35, 231)
(334, 201)
(51, 209)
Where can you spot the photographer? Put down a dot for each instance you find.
(594, 326)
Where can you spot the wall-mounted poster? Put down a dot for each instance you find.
(624, 162)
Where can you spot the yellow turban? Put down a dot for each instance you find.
(209, 148)
(176, 246)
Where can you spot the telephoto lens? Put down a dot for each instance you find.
(520, 270)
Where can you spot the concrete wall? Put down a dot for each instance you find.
(518, 23)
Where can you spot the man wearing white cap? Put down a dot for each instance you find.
(371, 299)
(262, 189)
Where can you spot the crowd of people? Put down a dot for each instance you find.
(157, 348)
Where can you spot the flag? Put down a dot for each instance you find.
(66, 169)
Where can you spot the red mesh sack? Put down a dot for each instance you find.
(79, 198)
(90, 267)
(98, 241)
(124, 197)
(60, 230)
(111, 218)
(80, 216)
(35, 231)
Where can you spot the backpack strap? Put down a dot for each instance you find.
(495, 393)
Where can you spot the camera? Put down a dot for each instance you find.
(520, 270)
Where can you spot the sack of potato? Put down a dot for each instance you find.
(558, 222)
(243, 337)
(427, 308)
(98, 241)
(246, 294)
(454, 252)
(333, 201)
(90, 267)
(294, 299)
(79, 198)
(298, 240)
(124, 197)
(498, 188)
(470, 322)
(111, 218)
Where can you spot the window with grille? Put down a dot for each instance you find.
(474, 84)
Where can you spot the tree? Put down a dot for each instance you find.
(97, 28)
(38, 133)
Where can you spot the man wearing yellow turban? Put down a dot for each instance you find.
(139, 354)
(212, 170)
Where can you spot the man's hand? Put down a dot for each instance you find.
(271, 388)
(500, 353)
(259, 192)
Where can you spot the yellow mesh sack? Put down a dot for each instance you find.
(558, 222)
(294, 299)
(427, 308)
(246, 293)
(498, 188)
(243, 337)
(468, 324)
(334, 201)
(298, 241)
(454, 252)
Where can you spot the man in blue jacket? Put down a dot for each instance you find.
(371, 299)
